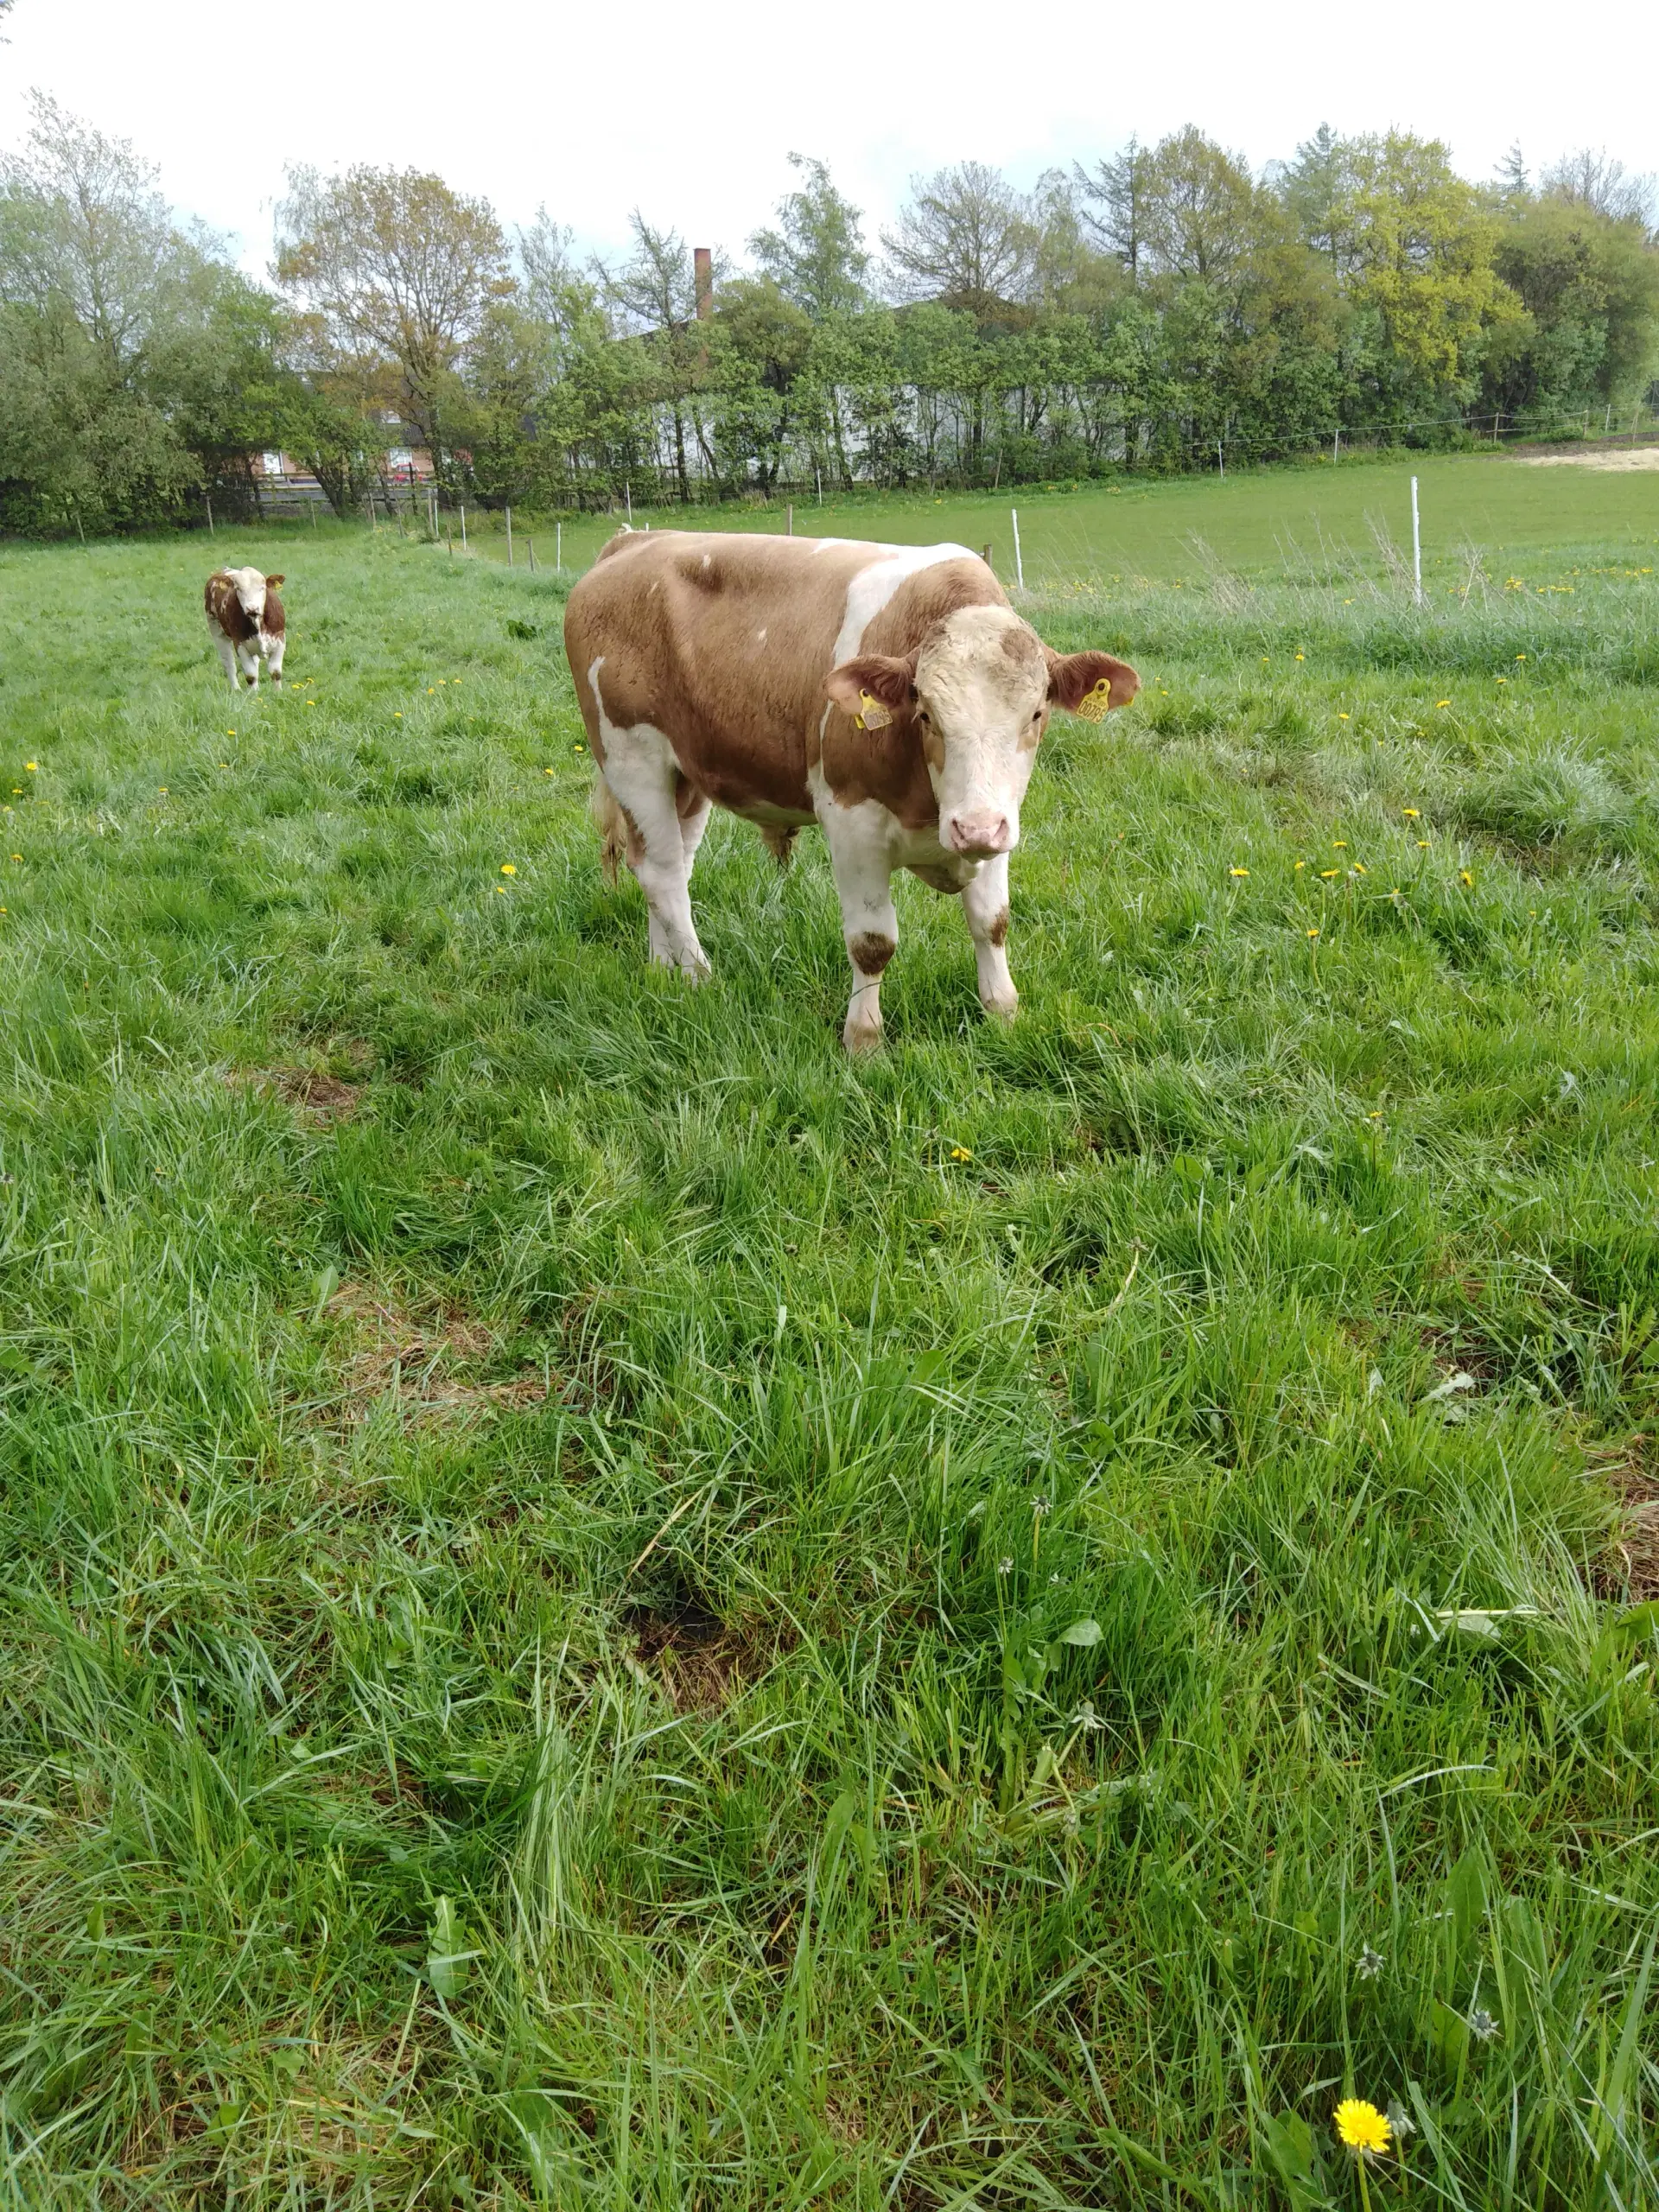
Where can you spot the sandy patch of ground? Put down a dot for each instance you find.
(1609, 457)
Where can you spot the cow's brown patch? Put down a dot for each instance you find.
(998, 929)
(871, 951)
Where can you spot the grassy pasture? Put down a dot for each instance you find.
(599, 1608)
(1318, 518)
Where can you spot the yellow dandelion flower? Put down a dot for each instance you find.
(1300, 656)
(163, 789)
(1442, 702)
(547, 772)
(16, 856)
(960, 1152)
(1339, 845)
(1312, 932)
(1422, 844)
(1361, 2127)
(1360, 868)
(1520, 656)
(1411, 813)
(581, 748)
(508, 868)
(30, 765)
(1465, 878)
(499, 889)
(1301, 864)
(1238, 871)
(429, 690)
(1503, 679)
(1342, 718)
(1326, 874)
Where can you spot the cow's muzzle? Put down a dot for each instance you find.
(978, 836)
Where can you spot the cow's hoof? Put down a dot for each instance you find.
(1003, 1009)
(864, 1038)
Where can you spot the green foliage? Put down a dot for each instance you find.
(590, 1615)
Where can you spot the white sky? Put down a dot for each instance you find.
(690, 113)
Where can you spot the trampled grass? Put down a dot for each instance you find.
(601, 1608)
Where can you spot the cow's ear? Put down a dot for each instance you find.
(1088, 683)
(876, 681)
(272, 582)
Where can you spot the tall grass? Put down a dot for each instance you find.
(601, 1608)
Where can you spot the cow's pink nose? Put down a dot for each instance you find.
(977, 837)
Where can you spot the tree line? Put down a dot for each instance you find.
(1136, 311)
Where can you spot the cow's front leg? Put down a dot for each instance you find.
(274, 652)
(860, 853)
(226, 653)
(248, 655)
(645, 777)
(985, 902)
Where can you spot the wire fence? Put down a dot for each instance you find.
(408, 496)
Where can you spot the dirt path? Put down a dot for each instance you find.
(1621, 458)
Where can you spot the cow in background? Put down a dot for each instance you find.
(246, 623)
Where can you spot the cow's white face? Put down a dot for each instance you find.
(981, 706)
(250, 592)
(976, 693)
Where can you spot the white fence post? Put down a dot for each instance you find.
(509, 536)
(463, 527)
(1018, 564)
(558, 548)
(628, 494)
(1416, 545)
(1221, 458)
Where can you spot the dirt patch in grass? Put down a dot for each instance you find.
(1630, 1572)
(321, 1097)
(699, 1662)
(416, 1359)
(1619, 457)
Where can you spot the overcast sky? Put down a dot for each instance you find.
(691, 112)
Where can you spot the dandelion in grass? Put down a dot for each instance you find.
(1300, 656)
(1238, 871)
(1342, 718)
(1313, 933)
(1363, 2130)
(508, 868)
(1422, 844)
(1039, 1506)
(1369, 1964)
(1086, 1718)
(397, 713)
(1442, 702)
(1326, 874)
(547, 772)
(581, 748)
(1520, 656)
(1300, 866)
(1482, 2025)
(1005, 1564)
(1359, 869)
(1400, 2123)
(1466, 876)
(16, 856)
(960, 1152)
(1412, 813)
(31, 766)
(1339, 845)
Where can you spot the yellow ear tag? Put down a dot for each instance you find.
(1093, 704)
(875, 716)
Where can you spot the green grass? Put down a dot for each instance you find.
(1315, 517)
(593, 1616)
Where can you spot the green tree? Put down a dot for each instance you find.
(965, 238)
(398, 269)
(816, 256)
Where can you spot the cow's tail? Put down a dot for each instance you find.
(612, 827)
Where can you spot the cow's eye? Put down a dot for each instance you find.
(922, 715)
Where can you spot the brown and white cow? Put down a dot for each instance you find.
(888, 692)
(246, 623)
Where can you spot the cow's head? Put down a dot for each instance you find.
(978, 691)
(250, 589)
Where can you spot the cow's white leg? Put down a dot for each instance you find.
(691, 829)
(226, 653)
(861, 856)
(985, 902)
(248, 655)
(274, 660)
(643, 773)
